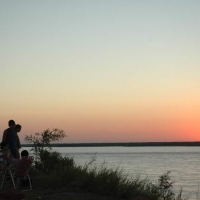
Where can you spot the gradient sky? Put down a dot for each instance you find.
(103, 71)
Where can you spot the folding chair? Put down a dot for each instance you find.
(22, 170)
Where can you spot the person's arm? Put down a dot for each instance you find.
(4, 135)
(20, 146)
(18, 142)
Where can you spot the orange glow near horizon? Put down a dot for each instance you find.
(114, 125)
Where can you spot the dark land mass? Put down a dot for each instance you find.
(122, 144)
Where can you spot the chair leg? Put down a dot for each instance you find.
(17, 182)
(4, 175)
(11, 175)
(29, 183)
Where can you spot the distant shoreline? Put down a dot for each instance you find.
(122, 144)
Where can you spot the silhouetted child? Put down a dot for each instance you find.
(14, 161)
(24, 154)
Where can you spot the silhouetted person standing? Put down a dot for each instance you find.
(10, 137)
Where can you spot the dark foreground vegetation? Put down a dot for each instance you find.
(57, 177)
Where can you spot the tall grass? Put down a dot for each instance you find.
(54, 171)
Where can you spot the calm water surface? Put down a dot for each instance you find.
(151, 162)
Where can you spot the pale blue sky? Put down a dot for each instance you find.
(52, 51)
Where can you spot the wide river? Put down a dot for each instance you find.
(151, 162)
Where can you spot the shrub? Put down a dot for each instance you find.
(47, 160)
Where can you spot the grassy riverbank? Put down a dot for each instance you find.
(82, 183)
(64, 179)
(56, 175)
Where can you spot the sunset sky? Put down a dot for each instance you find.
(101, 70)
